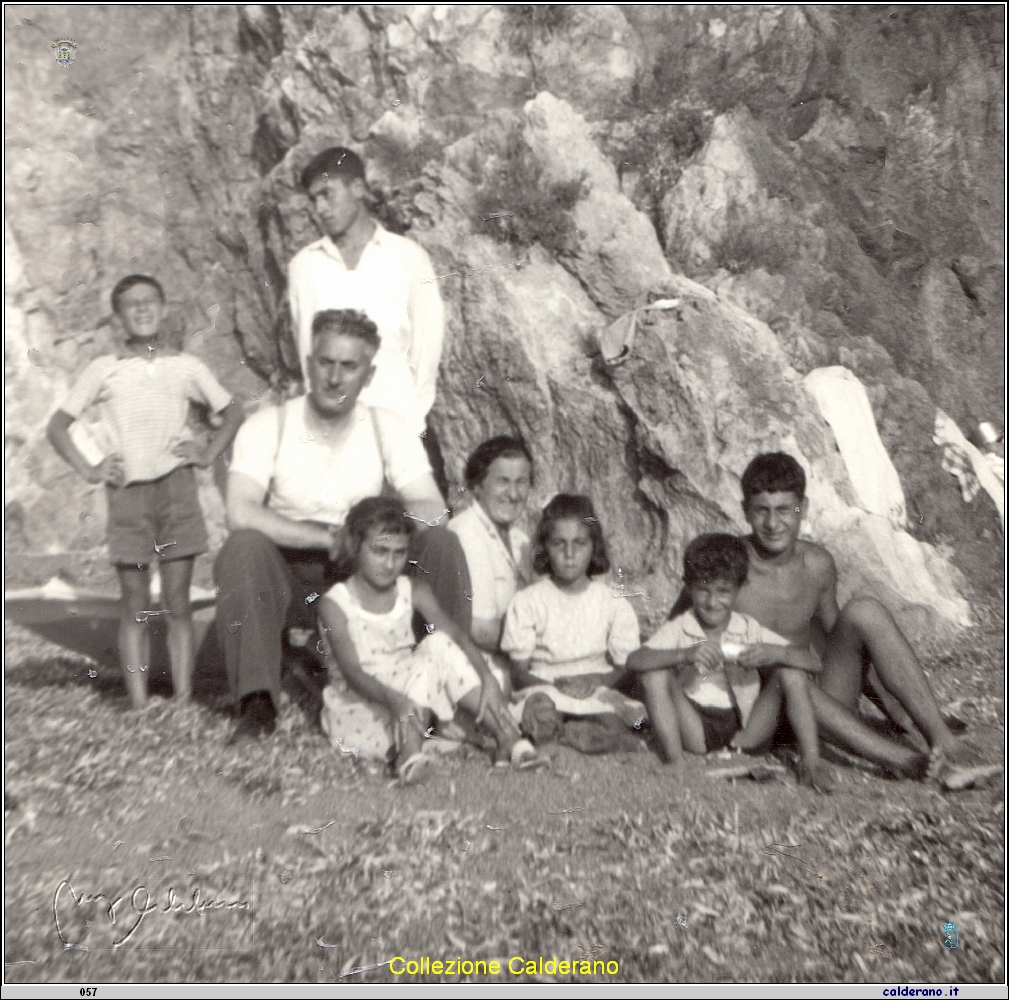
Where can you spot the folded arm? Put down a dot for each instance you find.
(247, 509)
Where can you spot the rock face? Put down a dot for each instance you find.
(815, 186)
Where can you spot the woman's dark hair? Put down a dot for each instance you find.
(774, 472)
(715, 557)
(125, 284)
(366, 519)
(574, 507)
(484, 456)
(347, 323)
(337, 161)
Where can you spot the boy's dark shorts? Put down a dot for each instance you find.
(161, 511)
(720, 725)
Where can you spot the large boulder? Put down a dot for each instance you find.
(562, 166)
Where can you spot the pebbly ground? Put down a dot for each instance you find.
(600, 857)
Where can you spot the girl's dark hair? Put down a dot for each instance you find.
(490, 451)
(366, 519)
(123, 285)
(715, 557)
(574, 507)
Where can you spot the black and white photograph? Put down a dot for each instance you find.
(504, 494)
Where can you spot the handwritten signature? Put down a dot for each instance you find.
(140, 903)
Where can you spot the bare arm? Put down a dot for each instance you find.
(246, 509)
(424, 501)
(645, 659)
(342, 646)
(427, 604)
(110, 470)
(219, 440)
(765, 654)
(486, 633)
(826, 607)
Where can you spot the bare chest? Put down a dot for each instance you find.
(781, 600)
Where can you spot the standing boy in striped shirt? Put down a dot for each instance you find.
(143, 394)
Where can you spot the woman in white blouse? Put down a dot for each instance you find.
(499, 475)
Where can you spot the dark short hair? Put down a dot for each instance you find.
(487, 453)
(368, 518)
(125, 284)
(715, 557)
(346, 323)
(337, 161)
(574, 507)
(773, 472)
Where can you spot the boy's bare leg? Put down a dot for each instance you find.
(176, 575)
(865, 631)
(676, 725)
(134, 636)
(764, 716)
(799, 708)
(837, 724)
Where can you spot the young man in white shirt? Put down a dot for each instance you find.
(358, 264)
(295, 473)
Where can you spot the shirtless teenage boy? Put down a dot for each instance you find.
(792, 581)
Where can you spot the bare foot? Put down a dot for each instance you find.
(916, 770)
(678, 768)
(817, 775)
(961, 764)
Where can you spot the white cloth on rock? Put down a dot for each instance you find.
(956, 448)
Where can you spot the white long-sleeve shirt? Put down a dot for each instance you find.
(395, 285)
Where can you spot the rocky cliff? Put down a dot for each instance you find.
(813, 185)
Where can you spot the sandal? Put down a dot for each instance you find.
(524, 757)
(411, 771)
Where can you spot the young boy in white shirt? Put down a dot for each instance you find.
(143, 394)
(706, 671)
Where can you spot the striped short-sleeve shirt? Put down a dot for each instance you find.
(142, 406)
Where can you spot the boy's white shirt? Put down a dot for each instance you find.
(140, 405)
(720, 690)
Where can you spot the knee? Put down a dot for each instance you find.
(136, 595)
(790, 679)
(240, 548)
(864, 612)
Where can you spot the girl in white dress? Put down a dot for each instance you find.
(367, 621)
(569, 635)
